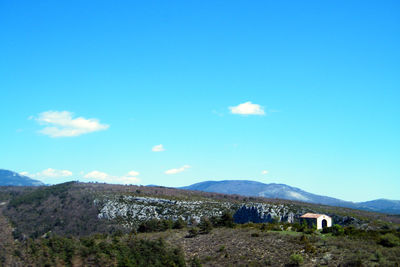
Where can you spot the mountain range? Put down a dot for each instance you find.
(246, 188)
(10, 178)
(282, 191)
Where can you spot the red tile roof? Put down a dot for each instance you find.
(311, 215)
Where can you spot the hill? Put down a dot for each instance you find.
(10, 178)
(282, 191)
(93, 224)
(381, 205)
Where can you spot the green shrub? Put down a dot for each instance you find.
(216, 221)
(309, 231)
(273, 227)
(205, 225)
(285, 226)
(309, 248)
(389, 240)
(263, 227)
(296, 259)
(179, 224)
(303, 239)
(337, 230)
(104, 250)
(352, 231)
(155, 225)
(356, 262)
(195, 262)
(227, 219)
(194, 231)
(326, 230)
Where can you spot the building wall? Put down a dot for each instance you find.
(320, 219)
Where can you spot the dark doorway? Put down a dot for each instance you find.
(324, 223)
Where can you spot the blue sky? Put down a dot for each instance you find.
(89, 88)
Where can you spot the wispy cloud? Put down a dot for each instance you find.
(247, 108)
(48, 173)
(62, 124)
(129, 178)
(177, 170)
(98, 175)
(264, 172)
(158, 148)
(133, 173)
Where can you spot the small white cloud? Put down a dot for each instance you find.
(247, 108)
(105, 177)
(24, 173)
(133, 173)
(264, 172)
(158, 148)
(62, 124)
(97, 175)
(178, 170)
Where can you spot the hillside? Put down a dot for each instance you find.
(381, 205)
(10, 178)
(282, 191)
(98, 224)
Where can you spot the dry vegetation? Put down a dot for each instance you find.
(58, 226)
(250, 246)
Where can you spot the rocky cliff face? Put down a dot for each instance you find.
(264, 213)
(130, 211)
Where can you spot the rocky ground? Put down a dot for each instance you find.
(89, 210)
(248, 246)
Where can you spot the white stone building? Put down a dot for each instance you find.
(319, 220)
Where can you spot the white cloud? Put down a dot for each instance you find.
(133, 173)
(97, 175)
(129, 178)
(56, 173)
(264, 172)
(62, 124)
(158, 148)
(178, 170)
(247, 108)
(48, 173)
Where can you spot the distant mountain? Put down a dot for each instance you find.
(282, 191)
(381, 205)
(252, 188)
(13, 178)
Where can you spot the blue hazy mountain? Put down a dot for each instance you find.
(282, 191)
(16, 179)
(381, 205)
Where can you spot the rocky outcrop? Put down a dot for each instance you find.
(131, 210)
(264, 213)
